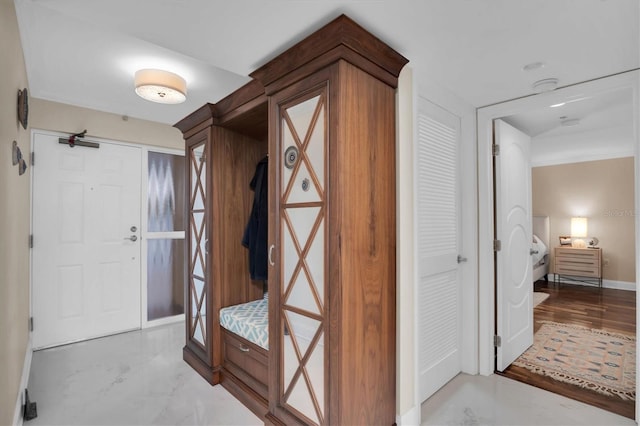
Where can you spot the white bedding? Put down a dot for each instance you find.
(539, 250)
(540, 260)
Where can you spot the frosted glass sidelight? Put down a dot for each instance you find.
(166, 192)
(165, 278)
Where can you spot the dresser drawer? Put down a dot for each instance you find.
(578, 270)
(578, 262)
(247, 361)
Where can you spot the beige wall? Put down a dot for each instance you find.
(47, 115)
(602, 191)
(15, 193)
(14, 218)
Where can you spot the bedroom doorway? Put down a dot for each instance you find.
(576, 307)
(600, 146)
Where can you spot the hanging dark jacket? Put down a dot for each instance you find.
(257, 231)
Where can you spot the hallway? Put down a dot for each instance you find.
(135, 378)
(139, 378)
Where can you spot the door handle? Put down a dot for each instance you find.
(532, 252)
(271, 262)
(131, 238)
(461, 259)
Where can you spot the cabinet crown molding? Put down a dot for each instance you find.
(341, 38)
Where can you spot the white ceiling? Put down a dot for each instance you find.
(85, 53)
(593, 111)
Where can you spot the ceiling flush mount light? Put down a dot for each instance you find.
(546, 85)
(160, 86)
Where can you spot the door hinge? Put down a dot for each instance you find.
(33, 158)
(495, 149)
(497, 245)
(30, 323)
(31, 241)
(497, 341)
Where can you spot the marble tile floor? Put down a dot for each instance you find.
(496, 400)
(139, 378)
(135, 378)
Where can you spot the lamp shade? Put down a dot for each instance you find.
(579, 227)
(160, 86)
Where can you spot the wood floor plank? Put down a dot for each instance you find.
(601, 308)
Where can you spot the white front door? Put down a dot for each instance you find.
(513, 229)
(438, 242)
(86, 241)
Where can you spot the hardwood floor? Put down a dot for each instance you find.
(609, 309)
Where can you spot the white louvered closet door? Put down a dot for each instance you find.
(438, 241)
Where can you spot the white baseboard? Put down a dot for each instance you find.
(619, 285)
(410, 418)
(24, 382)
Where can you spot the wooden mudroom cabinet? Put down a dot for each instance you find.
(223, 144)
(326, 106)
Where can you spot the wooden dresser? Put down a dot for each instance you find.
(578, 264)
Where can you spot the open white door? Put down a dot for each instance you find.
(513, 228)
(438, 243)
(86, 249)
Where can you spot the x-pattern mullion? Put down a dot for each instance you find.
(198, 255)
(302, 362)
(199, 299)
(198, 183)
(302, 253)
(302, 146)
(194, 295)
(296, 166)
(305, 157)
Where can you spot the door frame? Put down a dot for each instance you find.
(485, 117)
(144, 183)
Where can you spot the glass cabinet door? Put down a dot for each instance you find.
(303, 260)
(197, 255)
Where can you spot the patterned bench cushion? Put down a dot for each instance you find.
(249, 320)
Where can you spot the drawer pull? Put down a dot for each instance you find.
(243, 348)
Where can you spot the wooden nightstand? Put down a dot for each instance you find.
(578, 264)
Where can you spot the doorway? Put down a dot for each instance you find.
(83, 199)
(86, 240)
(486, 199)
(567, 357)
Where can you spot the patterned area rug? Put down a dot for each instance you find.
(539, 297)
(593, 359)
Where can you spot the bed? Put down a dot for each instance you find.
(541, 246)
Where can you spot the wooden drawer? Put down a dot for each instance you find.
(247, 361)
(578, 262)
